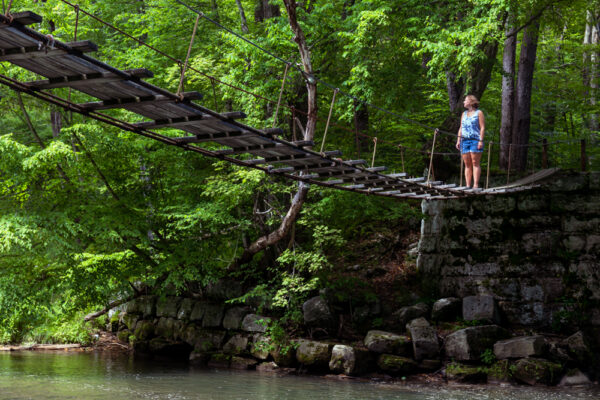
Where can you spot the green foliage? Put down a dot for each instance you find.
(488, 357)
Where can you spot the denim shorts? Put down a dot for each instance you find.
(469, 146)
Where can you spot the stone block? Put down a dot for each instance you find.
(185, 309)
(532, 293)
(432, 207)
(284, 356)
(424, 339)
(468, 344)
(405, 314)
(534, 371)
(594, 180)
(592, 244)
(567, 183)
(203, 340)
(447, 309)
(255, 323)
(261, 346)
(234, 316)
(574, 224)
(213, 315)
(429, 264)
(521, 347)
(575, 377)
(144, 305)
(387, 342)
(242, 363)
(540, 243)
(198, 311)
(397, 365)
(480, 308)
(533, 202)
(167, 306)
(237, 344)
(461, 373)
(429, 365)
(223, 289)
(579, 347)
(574, 244)
(317, 313)
(312, 354)
(165, 328)
(348, 360)
(129, 320)
(267, 367)
(144, 330)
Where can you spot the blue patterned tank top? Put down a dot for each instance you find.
(470, 126)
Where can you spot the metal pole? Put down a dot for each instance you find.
(328, 118)
(187, 57)
(431, 158)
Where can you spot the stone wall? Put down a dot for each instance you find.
(536, 252)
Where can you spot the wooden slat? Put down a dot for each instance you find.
(293, 157)
(262, 147)
(188, 120)
(87, 79)
(136, 101)
(220, 136)
(33, 52)
(24, 18)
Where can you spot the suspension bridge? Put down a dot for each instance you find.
(69, 65)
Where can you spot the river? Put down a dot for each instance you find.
(93, 375)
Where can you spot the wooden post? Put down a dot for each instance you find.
(583, 156)
(545, 153)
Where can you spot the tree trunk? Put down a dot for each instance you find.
(508, 93)
(522, 114)
(243, 21)
(361, 125)
(590, 66)
(265, 10)
(309, 131)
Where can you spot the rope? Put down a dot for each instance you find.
(187, 58)
(328, 119)
(431, 158)
(374, 151)
(212, 82)
(293, 123)
(287, 66)
(487, 179)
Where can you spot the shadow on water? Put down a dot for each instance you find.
(73, 375)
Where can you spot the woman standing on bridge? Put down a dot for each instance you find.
(470, 140)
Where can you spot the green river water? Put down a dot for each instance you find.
(72, 375)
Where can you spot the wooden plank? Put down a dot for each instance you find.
(87, 79)
(34, 52)
(262, 147)
(188, 120)
(293, 157)
(136, 101)
(24, 18)
(221, 136)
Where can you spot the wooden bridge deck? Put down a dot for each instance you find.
(68, 65)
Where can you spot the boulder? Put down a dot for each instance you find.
(284, 356)
(465, 373)
(424, 339)
(429, 365)
(389, 343)
(234, 316)
(260, 346)
(130, 320)
(448, 309)
(312, 354)
(468, 344)
(143, 305)
(537, 370)
(267, 367)
(165, 328)
(242, 363)
(481, 308)
(255, 323)
(185, 309)
(402, 316)
(575, 377)
(213, 315)
(203, 340)
(237, 344)
(167, 306)
(348, 360)
(521, 347)
(223, 289)
(219, 360)
(317, 313)
(144, 330)
(397, 365)
(579, 347)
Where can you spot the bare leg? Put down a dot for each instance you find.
(476, 161)
(468, 168)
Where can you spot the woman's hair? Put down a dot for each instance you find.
(474, 100)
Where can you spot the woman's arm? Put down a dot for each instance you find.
(481, 130)
(459, 134)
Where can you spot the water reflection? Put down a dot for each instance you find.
(70, 375)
